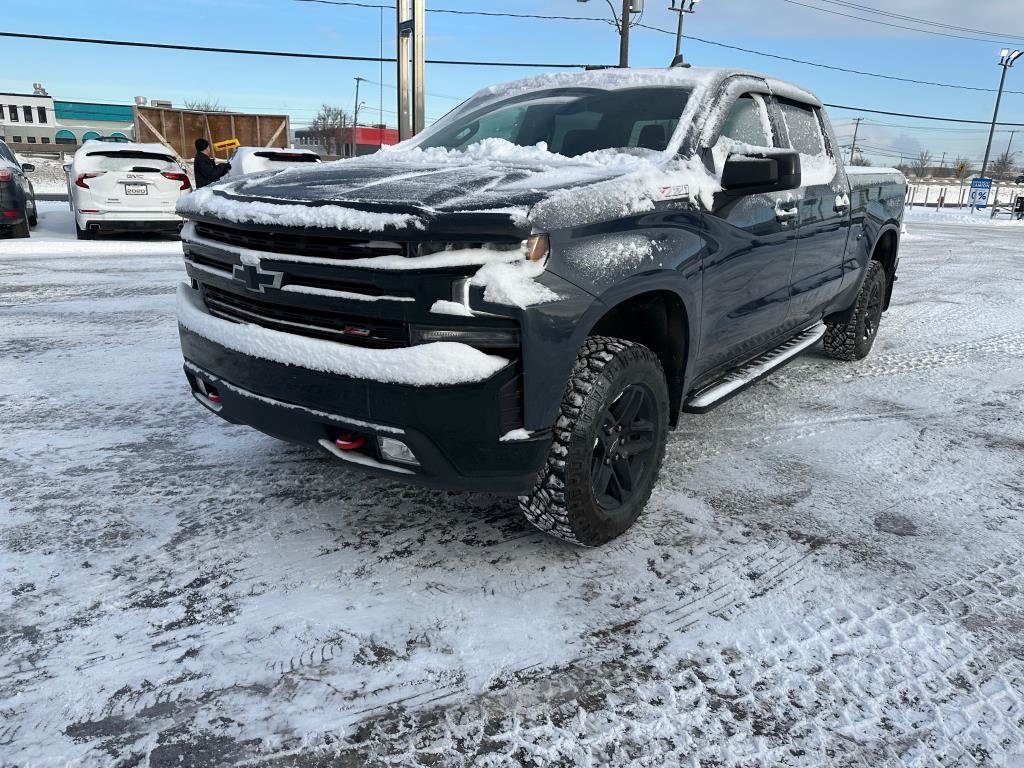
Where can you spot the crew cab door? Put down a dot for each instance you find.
(824, 212)
(751, 245)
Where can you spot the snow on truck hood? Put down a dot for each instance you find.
(527, 183)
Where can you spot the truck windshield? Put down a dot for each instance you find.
(571, 122)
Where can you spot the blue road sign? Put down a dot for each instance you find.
(980, 190)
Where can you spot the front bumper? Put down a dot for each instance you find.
(454, 430)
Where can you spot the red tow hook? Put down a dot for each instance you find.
(213, 397)
(347, 442)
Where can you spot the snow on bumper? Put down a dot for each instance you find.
(442, 363)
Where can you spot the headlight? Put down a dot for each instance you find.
(538, 247)
(502, 338)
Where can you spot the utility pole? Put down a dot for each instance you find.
(1006, 60)
(627, 7)
(942, 162)
(856, 130)
(622, 22)
(411, 35)
(355, 119)
(1010, 142)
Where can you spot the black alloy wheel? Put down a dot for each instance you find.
(623, 447)
(608, 445)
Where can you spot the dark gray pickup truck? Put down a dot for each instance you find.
(525, 297)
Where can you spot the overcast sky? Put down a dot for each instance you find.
(777, 27)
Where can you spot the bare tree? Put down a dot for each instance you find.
(962, 167)
(204, 105)
(859, 159)
(922, 163)
(327, 127)
(1002, 166)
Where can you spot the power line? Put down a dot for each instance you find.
(459, 12)
(832, 67)
(919, 117)
(547, 17)
(915, 19)
(285, 54)
(341, 57)
(894, 26)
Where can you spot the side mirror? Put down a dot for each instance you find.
(762, 172)
(27, 167)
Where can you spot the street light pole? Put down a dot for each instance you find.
(681, 10)
(1006, 60)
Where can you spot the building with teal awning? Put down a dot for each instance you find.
(79, 121)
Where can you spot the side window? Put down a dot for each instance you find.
(747, 122)
(804, 129)
(806, 137)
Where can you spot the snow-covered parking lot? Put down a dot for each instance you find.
(829, 572)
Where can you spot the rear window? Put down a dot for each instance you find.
(289, 157)
(129, 160)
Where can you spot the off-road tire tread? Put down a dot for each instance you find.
(546, 505)
(843, 341)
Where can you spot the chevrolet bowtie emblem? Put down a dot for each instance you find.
(255, 278)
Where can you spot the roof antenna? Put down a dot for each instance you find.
(677, 61)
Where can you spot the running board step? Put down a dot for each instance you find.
(738, 379)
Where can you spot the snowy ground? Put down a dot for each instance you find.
(829, 572)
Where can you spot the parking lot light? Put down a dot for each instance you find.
(1007, 59)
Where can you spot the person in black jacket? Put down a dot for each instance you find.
(207, 170)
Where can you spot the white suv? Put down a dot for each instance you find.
(257, 159)
(124, 187)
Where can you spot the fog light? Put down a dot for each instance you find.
(476, 337)
(397, 451)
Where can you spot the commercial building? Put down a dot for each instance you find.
(27, 118)
(79, 121)
(368, 139)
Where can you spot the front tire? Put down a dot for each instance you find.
(608, 446)
(853, 340)
(33, 220)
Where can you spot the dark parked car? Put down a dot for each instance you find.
(17, 198)
(1020, 180)
(525, 298)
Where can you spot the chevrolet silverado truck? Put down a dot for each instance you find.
(525, 297)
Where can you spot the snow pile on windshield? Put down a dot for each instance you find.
(425, 365)
(501, 152)
(205, 202)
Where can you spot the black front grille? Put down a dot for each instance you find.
(316, 323)
(300, 244)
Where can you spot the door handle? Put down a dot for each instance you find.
(786, 211)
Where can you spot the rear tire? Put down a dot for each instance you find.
(608, 446)
(853, 340)
(21, 229)
(83, 234)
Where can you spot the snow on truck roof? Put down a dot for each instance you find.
(617, 79)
